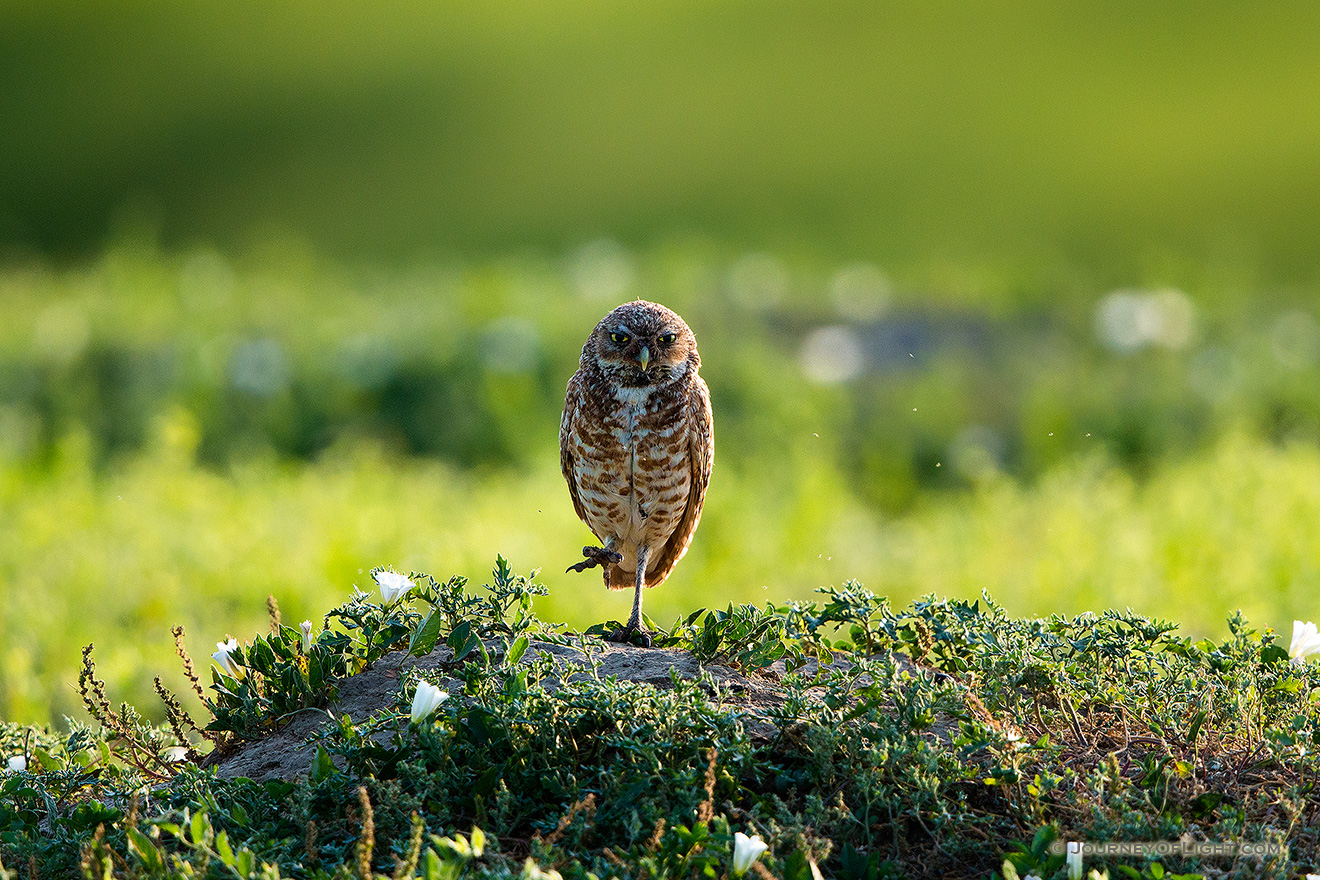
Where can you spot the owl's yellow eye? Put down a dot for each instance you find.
(619, 338)
(668, 338)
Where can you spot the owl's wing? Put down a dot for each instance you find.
(701, 457)
(567, 428)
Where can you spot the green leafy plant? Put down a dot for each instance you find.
(276, 675)
(743, 636)
(934, 737)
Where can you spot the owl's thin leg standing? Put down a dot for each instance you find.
(635, 621)
(634, 626)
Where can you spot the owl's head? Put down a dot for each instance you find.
(642, 343)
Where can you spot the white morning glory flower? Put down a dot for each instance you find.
(1074, 860)
(746, 850)
(306, 627)
(426, 700)
(1305, 641)
(393, 586)
(223, 658)
(17, 764)
(533, 871)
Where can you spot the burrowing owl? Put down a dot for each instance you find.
(636, 444)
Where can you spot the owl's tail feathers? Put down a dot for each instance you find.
(618, 579)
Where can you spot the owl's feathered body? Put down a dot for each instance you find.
(637, 443)
(631, 469)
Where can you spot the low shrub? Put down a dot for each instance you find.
(943, 740)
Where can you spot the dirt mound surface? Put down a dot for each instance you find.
(287, 753)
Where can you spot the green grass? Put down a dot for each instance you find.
(467, 361)
(942, 140)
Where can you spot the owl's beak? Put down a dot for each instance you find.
(644, 358)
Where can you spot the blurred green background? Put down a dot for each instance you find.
(1018, 297)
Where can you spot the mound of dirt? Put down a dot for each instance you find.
(287, 753)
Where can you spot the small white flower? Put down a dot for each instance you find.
(1074, 860)
(1305, 641)
(746, 850)
(223, 658)
(306, 626)
(175, 754)
(17, 764)
(533, 871)
(426, 700)
(393, 586)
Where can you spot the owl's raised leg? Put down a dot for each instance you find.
(633, 632)
(601, 556)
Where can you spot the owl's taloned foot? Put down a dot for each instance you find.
(595, 556)
(631, 635)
